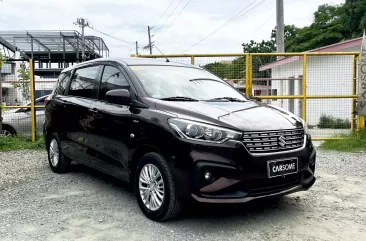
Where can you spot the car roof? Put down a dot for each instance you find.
(133, 61)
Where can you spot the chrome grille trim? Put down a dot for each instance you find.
(269, 143)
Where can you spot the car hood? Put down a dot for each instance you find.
(244, 116)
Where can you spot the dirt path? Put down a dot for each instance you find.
(36, 204)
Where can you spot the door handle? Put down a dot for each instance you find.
(94, 111)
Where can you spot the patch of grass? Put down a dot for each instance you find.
(326, 122)
(350, 143)
(20, 143)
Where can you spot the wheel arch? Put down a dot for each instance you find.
(47, 137)
(136, 156)
(9, 127)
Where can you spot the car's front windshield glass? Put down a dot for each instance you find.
(172, 81)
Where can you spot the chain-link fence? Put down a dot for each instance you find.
(15, 98)
(18, 88)
(21, 82)
(318, 87)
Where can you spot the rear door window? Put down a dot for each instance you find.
(83, 82)
(112, 79)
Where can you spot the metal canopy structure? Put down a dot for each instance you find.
(53, 45)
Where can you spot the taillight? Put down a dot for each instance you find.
(46, 100)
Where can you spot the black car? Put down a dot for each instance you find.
(177, 133)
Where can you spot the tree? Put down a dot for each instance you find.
(355, 17)
(231, 70)
(23, 83)
(327, 28)
(267, 46)
(289, 35)
(236, 70)
(257, 61)
(270, 46)
(216, 68)
(331, 24)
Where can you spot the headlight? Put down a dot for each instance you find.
(305, 125)
(192, 130)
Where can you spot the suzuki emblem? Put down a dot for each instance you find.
(281, 141)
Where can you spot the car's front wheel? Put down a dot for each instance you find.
(58, 162)
(155, 188)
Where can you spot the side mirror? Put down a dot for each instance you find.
(119, 96)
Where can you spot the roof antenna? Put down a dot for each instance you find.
(167, 60)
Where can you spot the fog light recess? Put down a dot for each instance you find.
(207, 175)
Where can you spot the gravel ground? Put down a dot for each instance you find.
(36, 204)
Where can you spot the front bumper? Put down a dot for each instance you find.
(237, 176)
(236, 191)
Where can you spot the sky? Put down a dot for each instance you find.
(175, 30)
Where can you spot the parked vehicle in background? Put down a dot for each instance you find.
(19, 121)
(175, 132)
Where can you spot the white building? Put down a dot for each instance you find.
(326, 75)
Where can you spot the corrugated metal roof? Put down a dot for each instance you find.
(53, 41)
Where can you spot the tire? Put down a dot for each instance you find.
(58, 162)
(7, 131)
(170, 206)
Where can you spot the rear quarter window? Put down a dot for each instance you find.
(62, 83)
(83, 80)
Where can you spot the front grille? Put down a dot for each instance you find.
(273, 185)
(273, 141)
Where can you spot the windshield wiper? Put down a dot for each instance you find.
(231, 99)
(199, 79)
(179, 98)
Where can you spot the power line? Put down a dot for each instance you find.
(129, 52)
(161, 16)
(173, 20)
(121, 40)
(168, 17)
(264, 22)
(238, 15)
(142, 35)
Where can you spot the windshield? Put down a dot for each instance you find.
(171, 81)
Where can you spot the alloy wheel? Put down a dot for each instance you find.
(151, 187)
(5, 133)
(54, 152)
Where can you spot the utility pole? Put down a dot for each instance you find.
(150, 46)
(280, 32)
(280, 29)
(137, 49)
(82, 23)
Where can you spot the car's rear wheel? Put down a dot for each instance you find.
(58, 162)
(7, 131)
(155, 188)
